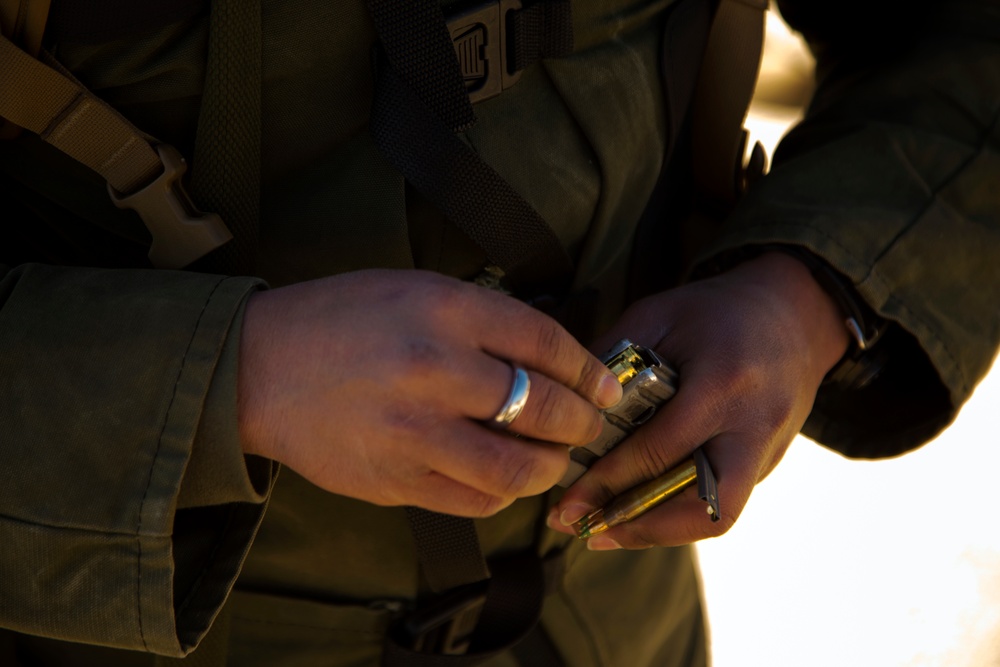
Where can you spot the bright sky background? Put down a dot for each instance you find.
(838, 563)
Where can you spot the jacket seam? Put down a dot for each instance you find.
(87, 529)
(156, 456)
(934, 193)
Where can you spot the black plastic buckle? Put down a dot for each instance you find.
(445, 626)
(479, 33)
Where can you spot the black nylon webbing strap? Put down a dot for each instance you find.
(414, 125)
(513, 603)
(542, 30)
(226, 165)
(418, 46)
(447, 549)
(420, 103)
(23, 22)
(513, 607)
(467, 190)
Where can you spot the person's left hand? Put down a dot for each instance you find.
(751, 347)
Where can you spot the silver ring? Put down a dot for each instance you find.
(515, 401)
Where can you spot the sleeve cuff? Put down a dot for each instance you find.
(104, 387)
(218, 472)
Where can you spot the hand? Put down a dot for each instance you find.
(751, 347)
(373, 385)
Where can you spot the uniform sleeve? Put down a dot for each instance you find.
(893, 178)
(112, 531)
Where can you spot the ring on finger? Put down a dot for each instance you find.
(515, 400)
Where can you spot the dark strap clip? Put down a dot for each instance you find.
(479, 34)
(445, 625)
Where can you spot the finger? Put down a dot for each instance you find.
(680, 426)
(511, 330)
(683, 519)
(439, 493)
(492, 462)
(477, 385)
(552, 412)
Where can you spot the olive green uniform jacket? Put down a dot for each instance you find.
(127, 511)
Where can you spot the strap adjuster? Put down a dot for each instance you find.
(181, 233)
(479, 34)
(444, 626)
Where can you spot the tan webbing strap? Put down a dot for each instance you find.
(66, 115)
(722, 96)
(141, 175)
(23, 22)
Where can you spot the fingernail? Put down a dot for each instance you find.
(552, 520)
(574, 513)
(609, 391)
(602, 543)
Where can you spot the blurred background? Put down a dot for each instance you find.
(838, 563)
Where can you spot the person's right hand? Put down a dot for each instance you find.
(373, 385)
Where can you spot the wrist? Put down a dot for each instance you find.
(251, 383)
(813, 311)
(860, 364)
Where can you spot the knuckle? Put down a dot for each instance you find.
(551, 341)
(731, 378)
(484, 505)
(443, 299)
(591, 376)
(389, 494)
(732, 388)
(649, 462)
(551, 416)
(517, 477)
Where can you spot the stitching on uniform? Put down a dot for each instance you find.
(156, 455)
(55, 526)
(353, 633)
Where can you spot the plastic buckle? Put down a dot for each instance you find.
(445, 626)
(479, 34)
(181, 233)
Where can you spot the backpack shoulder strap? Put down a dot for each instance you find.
(722, 96)
(23, 23)
(45, 99)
